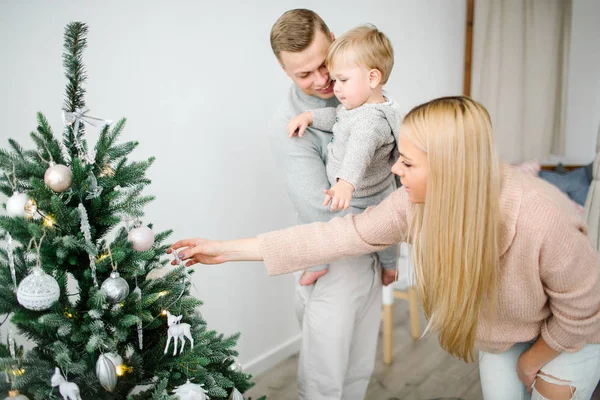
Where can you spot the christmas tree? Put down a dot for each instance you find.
(86, 282)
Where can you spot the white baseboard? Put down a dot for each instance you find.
(274, 356)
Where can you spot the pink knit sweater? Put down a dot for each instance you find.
(549, 277)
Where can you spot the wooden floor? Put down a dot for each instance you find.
(421, 370)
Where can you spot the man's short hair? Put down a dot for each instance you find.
(295, 30)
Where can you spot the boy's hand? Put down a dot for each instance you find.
(298, 124)
(339, 195)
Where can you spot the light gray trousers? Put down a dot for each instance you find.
(339, 316)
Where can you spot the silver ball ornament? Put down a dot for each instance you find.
(141, 238)
(106, 373)
(15, 395)
(38, 290)
(15, 206)
(58, 178)
(159, 272)
(236, 366)
(115, 288)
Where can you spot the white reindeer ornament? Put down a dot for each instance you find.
(176, 331)
(68, 390)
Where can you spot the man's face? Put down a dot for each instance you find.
(307, 68)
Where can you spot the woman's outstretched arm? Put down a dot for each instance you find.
(303, 246)
(204, 251)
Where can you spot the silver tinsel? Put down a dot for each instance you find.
(11, 344)
(85, 228)
(11, 259)
(140, 330)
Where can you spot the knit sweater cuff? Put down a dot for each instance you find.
(559, 339)
(268, 248)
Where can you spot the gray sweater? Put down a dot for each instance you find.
(303, 159)
(363, 148)
(303, 162)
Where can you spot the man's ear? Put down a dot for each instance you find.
(374, 78)
(332, 36)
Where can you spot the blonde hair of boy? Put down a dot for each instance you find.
(365, 46)
(455, 232)
(295, 30)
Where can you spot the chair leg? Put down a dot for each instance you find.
(388, 332)
(413, 304)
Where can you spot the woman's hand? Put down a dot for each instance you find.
(532, 360)
(204, 251)
(197, 250)
(526, 370)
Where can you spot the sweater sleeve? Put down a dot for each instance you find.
(324, 118)
(303, 246)
(366, 136)
(570, 273)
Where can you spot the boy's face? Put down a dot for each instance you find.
(307, 68)
(352, 84)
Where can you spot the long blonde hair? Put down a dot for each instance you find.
(455, 232)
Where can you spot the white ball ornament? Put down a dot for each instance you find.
(58, 177)
(38, 290)
(15, 206)
(106, 373)
(15, 395)
(141, 238)
(117, 361)
(236, 395)
(115, 288)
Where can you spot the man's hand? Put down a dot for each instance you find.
(298, 124)
(339, 195)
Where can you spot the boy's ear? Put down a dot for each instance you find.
(374, 78)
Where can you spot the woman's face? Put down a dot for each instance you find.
(412, 169)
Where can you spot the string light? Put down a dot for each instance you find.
(49, 221)
(164, 312)
(123, 369)
(17, 372)
(163, 293)
(107, 171)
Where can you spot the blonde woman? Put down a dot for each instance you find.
(502, 262)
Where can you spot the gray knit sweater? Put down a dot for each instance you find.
(363, 148)
(303, 159)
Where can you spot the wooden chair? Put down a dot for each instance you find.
(404, 291)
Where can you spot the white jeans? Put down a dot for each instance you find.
(340, 317)
(499, 380)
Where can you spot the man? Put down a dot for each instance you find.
(339, 314)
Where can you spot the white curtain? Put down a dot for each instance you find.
(520, 53)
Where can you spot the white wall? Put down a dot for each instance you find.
(197, 83)
(583, 101)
